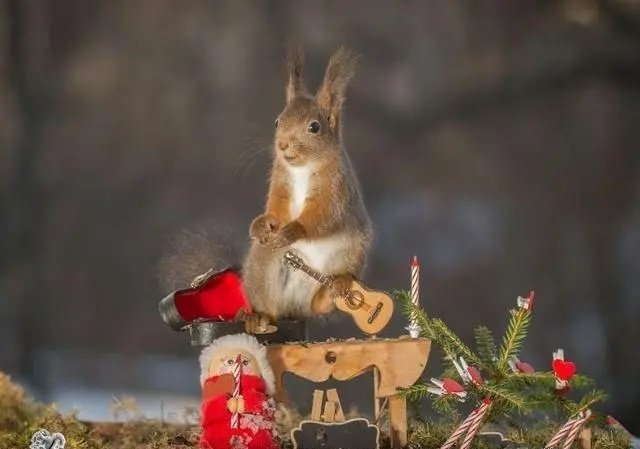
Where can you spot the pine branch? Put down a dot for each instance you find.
(436, 330)
(411, 311)
(592, 397)
(445, 405)
(580, 381)
(451, 343)
(513, 337)
(486, 346)
(414, 392)
(504, 398)
(538, 378)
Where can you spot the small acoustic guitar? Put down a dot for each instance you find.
(371, 310)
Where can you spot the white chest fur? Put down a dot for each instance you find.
(327, 254)
(300, 178)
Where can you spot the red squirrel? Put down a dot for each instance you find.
(314, 204)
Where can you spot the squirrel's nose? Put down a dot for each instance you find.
(282, 145)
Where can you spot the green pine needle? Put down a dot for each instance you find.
(486, 346)
(513, 338)
(451, 343)
(588, 400)
(415, 392)
(509, 400)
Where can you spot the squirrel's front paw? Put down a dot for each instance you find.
(263, 228)
(289, 233)
(341, 285)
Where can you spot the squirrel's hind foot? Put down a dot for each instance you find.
(259, 324)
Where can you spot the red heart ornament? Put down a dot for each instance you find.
(525, 367)
(563, 370)
(451, 386)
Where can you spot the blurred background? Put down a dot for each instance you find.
(496, 140)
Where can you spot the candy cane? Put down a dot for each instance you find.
(573, 433)
(560, 434)
(475, 425)
(237, 372)
(462, 428)
(469, 426)
(569, 430)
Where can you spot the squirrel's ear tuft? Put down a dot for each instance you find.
(331, 95)
(295, 62)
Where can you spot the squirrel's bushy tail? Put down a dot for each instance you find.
(190, 253)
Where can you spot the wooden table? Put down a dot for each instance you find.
(397, 363)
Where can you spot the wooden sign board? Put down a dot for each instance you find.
(398, 364)
(355, 433)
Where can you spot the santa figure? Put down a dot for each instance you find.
(237, 388)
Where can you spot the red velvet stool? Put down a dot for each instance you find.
(212, 296)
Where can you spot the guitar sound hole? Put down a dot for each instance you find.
(354, 300)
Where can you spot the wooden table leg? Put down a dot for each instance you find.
(316, 406)
(376, 401)
(398, 421)
(584, 438)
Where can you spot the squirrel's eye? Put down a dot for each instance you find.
(314, 127)
(276, 123)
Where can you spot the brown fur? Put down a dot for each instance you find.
(332, 214)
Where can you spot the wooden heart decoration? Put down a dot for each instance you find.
(563, 370)
(525, 367)
(220, 385)
(451, 386)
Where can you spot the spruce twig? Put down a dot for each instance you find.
(451, 343)
(504, 398)
(589, 399)
(486, 346)
(513, 337)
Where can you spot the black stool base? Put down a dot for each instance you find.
(203, 333)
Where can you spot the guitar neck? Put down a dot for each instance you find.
(322, 278)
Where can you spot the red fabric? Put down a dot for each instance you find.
(221, 297)
(216, 419)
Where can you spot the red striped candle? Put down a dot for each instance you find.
(415, 285)
(237, 372)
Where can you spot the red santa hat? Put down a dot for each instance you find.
(246, 342)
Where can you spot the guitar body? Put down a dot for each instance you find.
(370, 309)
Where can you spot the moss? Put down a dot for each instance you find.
(433, 435)
(20, 417)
